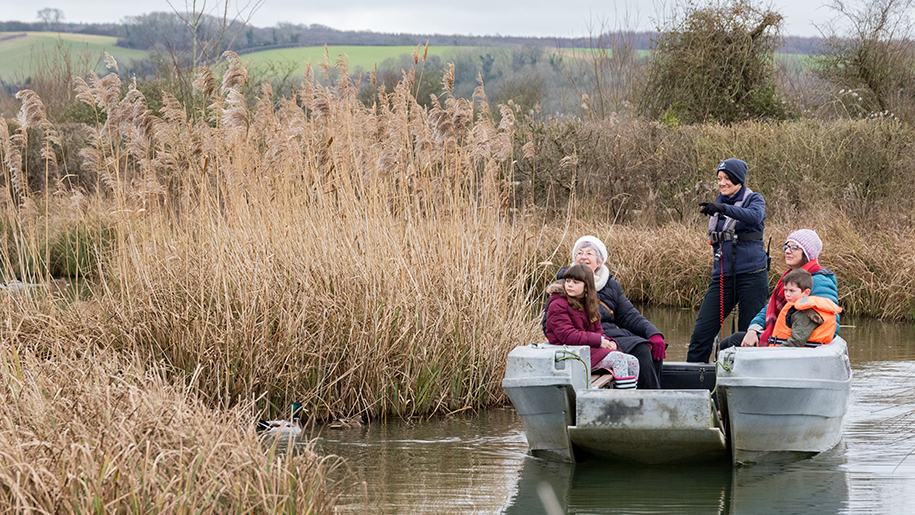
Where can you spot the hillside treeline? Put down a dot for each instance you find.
(147, 31)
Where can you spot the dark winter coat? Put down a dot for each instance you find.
(751, 218)
(565, 325)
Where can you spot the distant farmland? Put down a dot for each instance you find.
(24, 53)
(291, 62)
(294, 60)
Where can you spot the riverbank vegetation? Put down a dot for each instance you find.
(85, 429)
(379, 260)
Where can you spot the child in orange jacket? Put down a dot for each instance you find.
(805, 318)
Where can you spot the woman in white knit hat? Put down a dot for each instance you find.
(621, 321)
(802, 250)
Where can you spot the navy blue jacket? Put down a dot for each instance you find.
(751, 254)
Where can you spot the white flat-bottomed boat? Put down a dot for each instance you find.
(754, 404)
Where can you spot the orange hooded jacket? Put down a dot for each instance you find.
(827, 309)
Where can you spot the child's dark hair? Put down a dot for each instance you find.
(588, 301)
(800, 278)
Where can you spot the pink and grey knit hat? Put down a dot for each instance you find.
(808, 241)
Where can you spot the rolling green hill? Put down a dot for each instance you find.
(23, 54)
(292, 61)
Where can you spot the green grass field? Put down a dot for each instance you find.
(24, 54)
(292, 61)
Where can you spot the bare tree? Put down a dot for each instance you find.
(604, 74)
(51, 17)
(212, 27)
(195, 16)
(873, 61)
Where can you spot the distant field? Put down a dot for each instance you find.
(292, 61)
(24, 53)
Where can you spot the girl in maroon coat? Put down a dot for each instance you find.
(572, 318)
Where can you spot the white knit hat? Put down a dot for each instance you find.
(592, 242)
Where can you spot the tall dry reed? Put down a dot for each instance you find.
(358, 259)
(83, 429)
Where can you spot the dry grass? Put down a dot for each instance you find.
(356, 259)
(88, 430)
(635, 171)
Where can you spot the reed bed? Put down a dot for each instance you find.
(368, 261)
(357, 259)
(364, 260)
(369, 319)
(84, 429)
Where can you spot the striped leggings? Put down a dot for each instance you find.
(622, 365)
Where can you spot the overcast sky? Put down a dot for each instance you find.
(508, 17)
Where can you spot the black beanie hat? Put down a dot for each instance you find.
(735, 168)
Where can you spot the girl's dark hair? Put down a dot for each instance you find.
(588, 302)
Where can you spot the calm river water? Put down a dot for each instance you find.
(480, 464)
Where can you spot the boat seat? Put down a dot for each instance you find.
(601, 380)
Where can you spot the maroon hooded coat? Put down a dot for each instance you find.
(566, 325)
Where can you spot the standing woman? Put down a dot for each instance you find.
(739, 269)
(621, 322)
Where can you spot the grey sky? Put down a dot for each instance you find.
(509, 17)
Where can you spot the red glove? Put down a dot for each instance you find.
(658, 347)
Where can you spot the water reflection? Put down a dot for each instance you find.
(816, 485)
(592, 487)
(453, 465)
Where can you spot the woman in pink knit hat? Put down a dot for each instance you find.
(802, 250)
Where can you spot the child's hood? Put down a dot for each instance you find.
(556, 287)
(816, 302)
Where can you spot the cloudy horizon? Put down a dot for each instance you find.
(472, 17)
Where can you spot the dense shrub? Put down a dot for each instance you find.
(651, 172)
(715, 63)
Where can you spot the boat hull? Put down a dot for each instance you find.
(565, 417)
(542, 381)
(648, 426)
(546, 412)
(783, 401)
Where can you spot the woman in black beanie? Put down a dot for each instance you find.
(740, 265)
